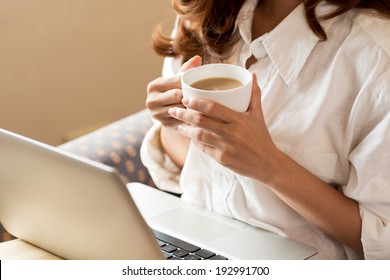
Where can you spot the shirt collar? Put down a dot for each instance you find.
(245, 19)
(290, 43)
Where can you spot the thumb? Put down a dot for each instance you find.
(255, 103)
(191, 63)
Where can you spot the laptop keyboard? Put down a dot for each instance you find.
(176, 249)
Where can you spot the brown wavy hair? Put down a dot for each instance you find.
(206, 27)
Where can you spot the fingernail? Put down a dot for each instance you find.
(172, 111)
(185, 101)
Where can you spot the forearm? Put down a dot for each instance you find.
(328, 209)
(175, 145)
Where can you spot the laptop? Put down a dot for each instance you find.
(76, 208)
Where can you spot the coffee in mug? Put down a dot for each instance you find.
(217, 84)
(227, 84)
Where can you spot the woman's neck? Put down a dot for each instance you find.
(269, 13)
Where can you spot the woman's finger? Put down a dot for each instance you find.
(210, 108)
(199, 120)
(192, 62)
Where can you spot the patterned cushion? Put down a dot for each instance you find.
(116, 145)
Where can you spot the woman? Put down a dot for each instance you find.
(310, 159)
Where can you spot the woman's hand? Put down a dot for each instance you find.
(163, 94)
(166, 93)
(239, 141)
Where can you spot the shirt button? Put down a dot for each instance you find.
(258, 50)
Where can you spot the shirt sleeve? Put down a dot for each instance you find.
(369, 182)
(165, 174)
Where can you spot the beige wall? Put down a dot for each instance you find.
(71, 65)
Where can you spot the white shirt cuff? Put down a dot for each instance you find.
(165, 174)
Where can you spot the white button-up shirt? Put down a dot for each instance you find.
(327, 106)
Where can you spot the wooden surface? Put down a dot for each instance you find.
(20, 250)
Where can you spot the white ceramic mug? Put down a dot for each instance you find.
(237, 98)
